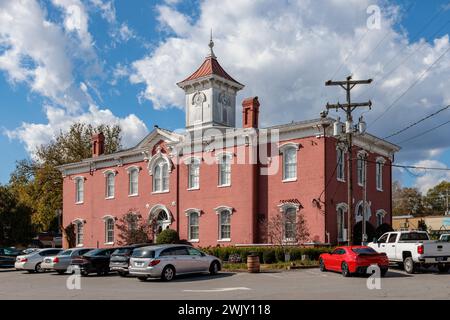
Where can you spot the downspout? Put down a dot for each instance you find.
(177, 199)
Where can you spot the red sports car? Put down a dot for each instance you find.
(353, 259)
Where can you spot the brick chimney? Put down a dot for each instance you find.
(250, 112)
(98, 144)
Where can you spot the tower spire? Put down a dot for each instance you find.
(211, 46)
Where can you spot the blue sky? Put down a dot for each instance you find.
(126, 56)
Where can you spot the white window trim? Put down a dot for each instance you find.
(105, 219)
(76, 179)
(106, 173)
(219, 157)
(368, 213)
(362, 154)
(344, 207)
(341, 149)
(284, 207)
(188, 213)
(283, 149)
(76, 222)
(379, 161)
(129, 170)
(188, 162)
(381, 213)
(218, 211)
(161, 165)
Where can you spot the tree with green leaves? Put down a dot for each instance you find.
(38, 184)
(407, 201)
(15, 219)
(437, 198)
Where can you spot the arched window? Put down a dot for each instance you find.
(225, 225)
(340, 171)
(341, 230)
(361, 168)
(110, 184)
(290, 224)
(133, 182)
(289, 152)
(79, 190)
(225, 170)
(380, 217)
(161, 176)
(194, 226)
(109, 230)
(194, 174)
(79, 233)
(379, 173)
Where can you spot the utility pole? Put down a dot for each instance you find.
(348, 108)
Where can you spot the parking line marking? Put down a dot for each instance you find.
(218, 289)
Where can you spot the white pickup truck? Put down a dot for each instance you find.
(413, 249)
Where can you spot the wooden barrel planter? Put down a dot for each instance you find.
(253, 265)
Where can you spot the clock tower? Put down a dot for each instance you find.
(210, 95)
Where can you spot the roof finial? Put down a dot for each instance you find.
(211, 46)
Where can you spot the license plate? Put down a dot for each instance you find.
(139, 264)
(441, 259)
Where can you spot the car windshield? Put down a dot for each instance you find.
(364, 251)
(413, 236)
(122, 252)
(143, 253)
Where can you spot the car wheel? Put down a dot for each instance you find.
(443, 268)
(409, 265)
(322, 265)
(384, 271)
(214, 268)
(84, 273)
(142, 278)
(168, 273)
(345, 270)
(38, 268)
(123, 273)
(61, 271)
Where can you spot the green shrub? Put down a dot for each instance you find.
(269, 256)
(168, 236)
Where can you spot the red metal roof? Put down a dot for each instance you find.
(209, 67)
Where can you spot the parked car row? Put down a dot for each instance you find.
(141, 260)
(409, 249)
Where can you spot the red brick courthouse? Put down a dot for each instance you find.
(217, 183)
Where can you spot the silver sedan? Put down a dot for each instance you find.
(32, 262)
(61, 262)
(166, 261)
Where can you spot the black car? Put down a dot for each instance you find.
(8, 256)
(120, 258)
(95, 261)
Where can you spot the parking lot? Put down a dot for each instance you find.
(298, 284)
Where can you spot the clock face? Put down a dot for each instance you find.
(224, 99)
(198, 98)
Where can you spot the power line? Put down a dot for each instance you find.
(350, 53)
(382, 40)
(416, 123)
(408, 56)
(411, 86)
(425, 132)
(411, 167)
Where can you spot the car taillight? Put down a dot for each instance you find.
(154, 263)
(55, 260)
(23, 260)
(420, 249)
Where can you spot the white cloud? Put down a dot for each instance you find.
(36, 134)
(429, 178)
(285, 51)
(107, 9)
(35, 51)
